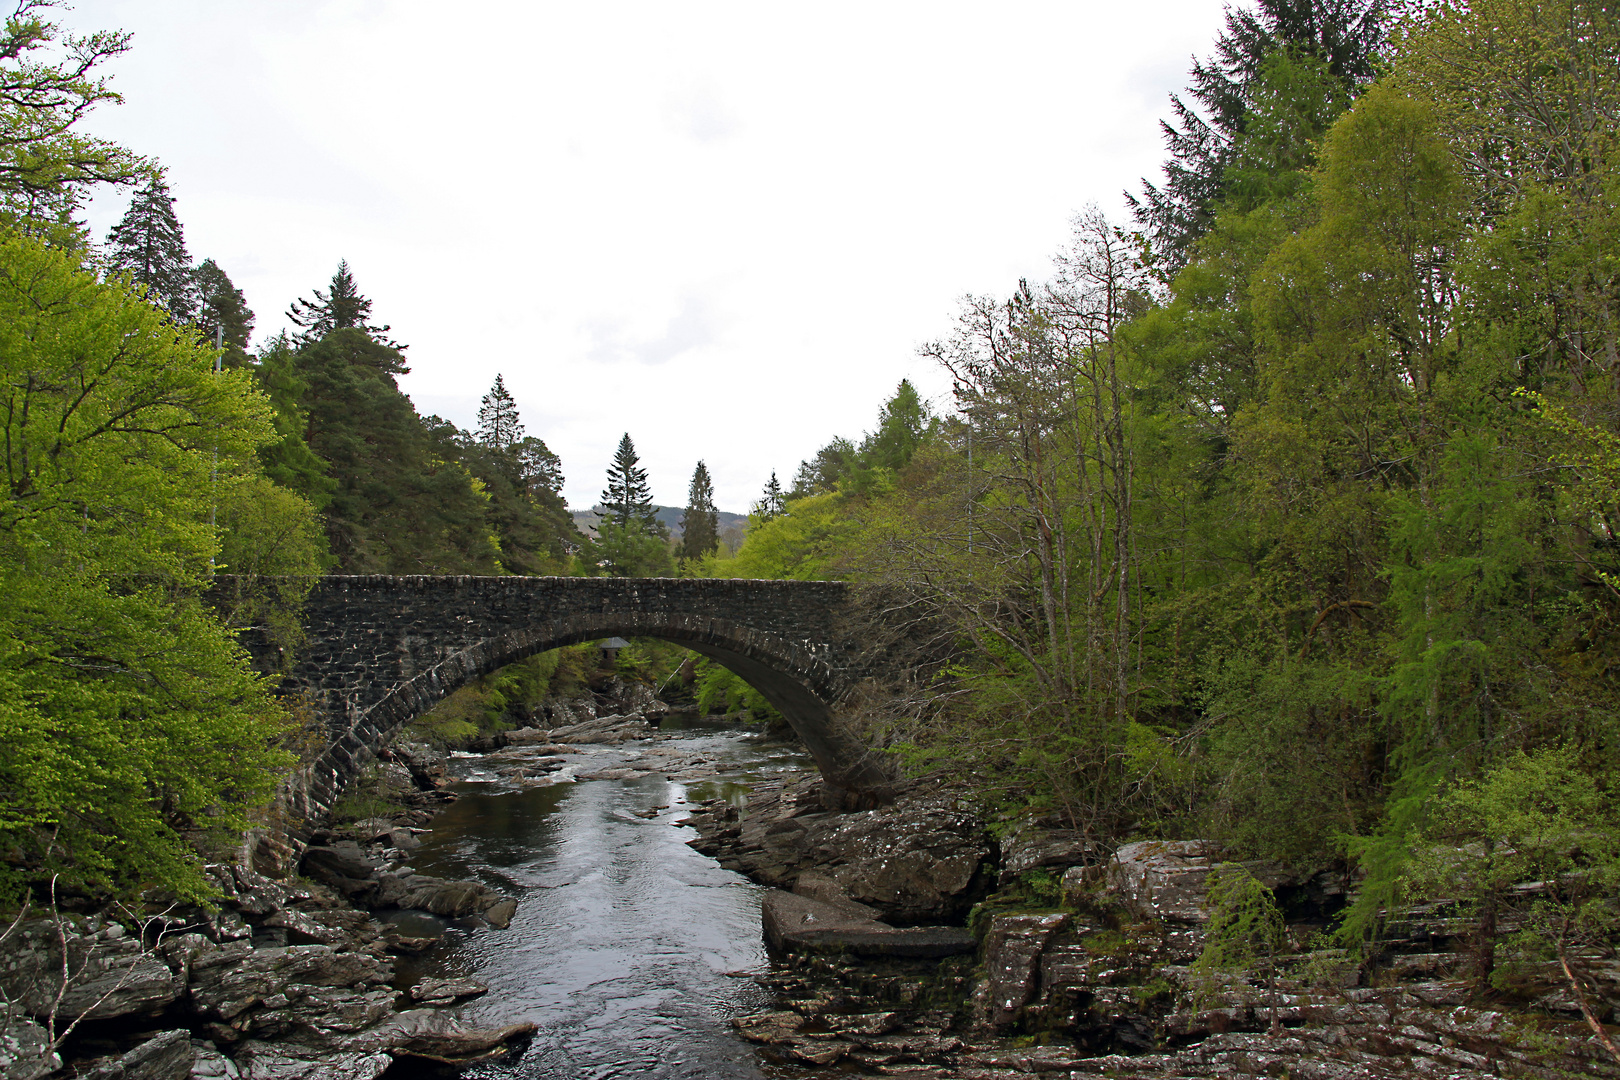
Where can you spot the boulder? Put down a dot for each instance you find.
(817, 886)
(452, 899)
(775, 1028)
(25, 1052)
(210, 1064)
(913, 862)
(168, 1056)
(500, 915)
(302, 929)
(447, 990)
(426, 765)
(923, 859)
(632, 698)
(282, 1061)
(563, 712)
(320, 1015)
(1031, 846)
(109, 973)
(787, 916)
(1163, 879)
(233, 978)
(608, 730)
(443, 1037)
(342, 866)
(1012, 960)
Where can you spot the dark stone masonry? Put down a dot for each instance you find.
(381, 650)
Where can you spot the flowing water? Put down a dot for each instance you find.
(629, 950)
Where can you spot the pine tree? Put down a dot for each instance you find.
(498, 424)
(700, 526)
(627, 498)
(1343, 34)
(772, 503)
(149, 245)
(341, 307)
(223, 311)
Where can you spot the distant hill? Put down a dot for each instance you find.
(732, 526)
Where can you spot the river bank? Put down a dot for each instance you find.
(903, 941)
(1084, 962)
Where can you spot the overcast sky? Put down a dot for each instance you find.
(722, 227)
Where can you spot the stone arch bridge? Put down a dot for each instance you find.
(381, 650)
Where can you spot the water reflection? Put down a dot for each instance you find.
(629, 950)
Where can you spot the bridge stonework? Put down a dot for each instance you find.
(381, 650)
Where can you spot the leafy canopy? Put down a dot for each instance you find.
(129, 719)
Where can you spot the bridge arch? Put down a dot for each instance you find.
(382, 650)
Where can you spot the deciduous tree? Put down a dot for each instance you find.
(49, 83)
(128, 717)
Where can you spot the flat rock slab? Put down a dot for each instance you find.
(913, 942)
(796, 923)
(787, 915)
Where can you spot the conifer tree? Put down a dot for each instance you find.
(1342, 34)
(222, 310)
(150, 246)
(341, 307)
(627, 497)
(700, 526)
(772, 503)
(498, 424)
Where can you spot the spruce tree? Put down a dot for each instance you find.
(772, 503)
(1342, 34)
(498, 424)
(627, 498)
(700, 526)
(150, 246)
(223, 311)
(341, 307)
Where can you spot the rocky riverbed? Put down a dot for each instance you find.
(310, 977)
(907, 941)
(1078, 962)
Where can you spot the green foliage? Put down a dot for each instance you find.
(47, 168)
(367, 797)
(149, 245)
(800, 544)
(505, 699)
(1286, 548)
(272, 544)
(1534, 817)
(627, 498)
(402, 502)
(720, 690)
(222, 310)
(630, 551)
(700, 525)
(1245, 934)
(129, 719)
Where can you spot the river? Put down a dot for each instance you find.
(629, 950)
